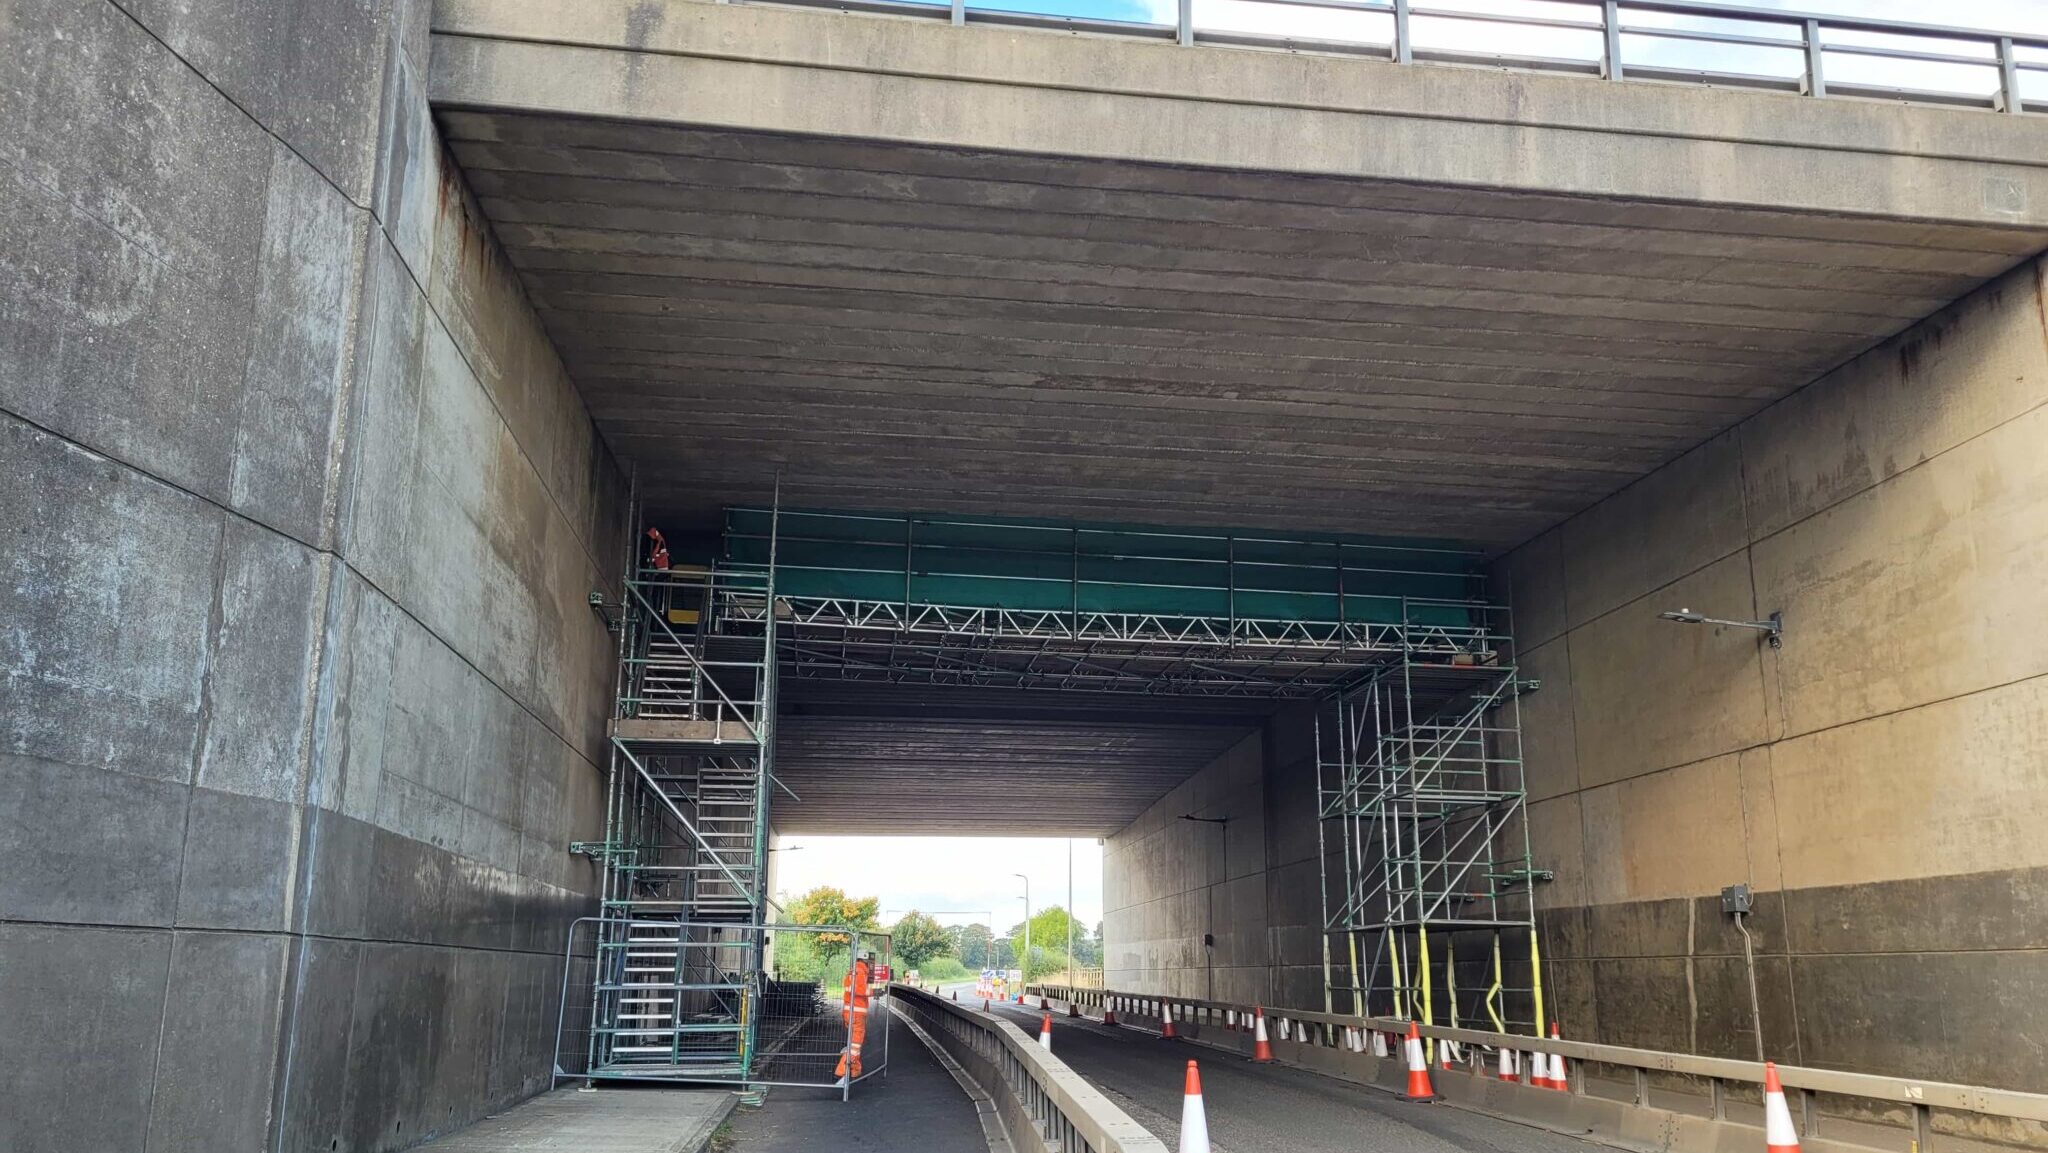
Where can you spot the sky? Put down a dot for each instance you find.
(940, 873)
(2016, 16)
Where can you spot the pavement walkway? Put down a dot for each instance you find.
(627, 1119)
(917, 1107)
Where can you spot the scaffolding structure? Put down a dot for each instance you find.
(1020, 604)
(677, 948)
(1402, 661)
(1420, 786)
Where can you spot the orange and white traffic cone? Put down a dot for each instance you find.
(1194, 1119)
(1539, 1069)
(1419, 1088)
(1166, 1030)
(1779, 1134)
(1045, 1033)
(1559, 1079)
(1044, 1004)
(1379, 1043)
(1073, 1010)
(1508, 1072)
(1444, 1058)
(1262, 1048)
(1109, 1011)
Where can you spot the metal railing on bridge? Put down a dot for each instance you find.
(1033, 1091)
(1621, 1094)
(1674, 41)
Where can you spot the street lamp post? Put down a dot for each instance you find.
(1024, 964)
(1070, 916)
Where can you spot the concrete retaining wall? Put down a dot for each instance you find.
(299, 695)
(1248, 884)
(1881, 780)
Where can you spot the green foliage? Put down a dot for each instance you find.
(918, 938)
(802, 957)
(1048, 935)
(944, 969)
(822, 957)
(829, 905)
(970, 945)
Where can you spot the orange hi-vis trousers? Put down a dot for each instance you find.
(857, 1035)
(854, 1012)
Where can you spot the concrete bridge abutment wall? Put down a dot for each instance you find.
(1880, 781)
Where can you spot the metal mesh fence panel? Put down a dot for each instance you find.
(723, 1003)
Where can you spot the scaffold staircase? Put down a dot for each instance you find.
(677, 950)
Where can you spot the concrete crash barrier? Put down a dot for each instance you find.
(1630, 1097)
(1033, 1091)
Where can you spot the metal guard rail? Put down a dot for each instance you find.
(2009, 57)
(1921, 1095)
(1034, 1091)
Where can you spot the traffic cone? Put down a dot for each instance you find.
(1262, 1048)
(1109, 1011)
(1444, 1057)
(1419, 1088)
(1779, 1134)
(1230, 1019)
(1379, 1043)
(1507, 1065)
(1194, 1119)
(984, 1005)
(1283, 1031)
(1559, 1079)
(1044, 1004)
(1539, 1069)
(956, 996)
(1045, 1033)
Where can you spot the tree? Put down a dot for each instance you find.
(971, 944)
(821, 957)
(918, 938)
(1048, 942)
(829, 905)
(1088, 948)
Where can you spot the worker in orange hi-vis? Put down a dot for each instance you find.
(657, 550)
(854, 1011)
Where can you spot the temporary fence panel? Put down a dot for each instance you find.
(736, 1004)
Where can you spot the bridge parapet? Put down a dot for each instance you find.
(1032, 1090)
(1619, 1093)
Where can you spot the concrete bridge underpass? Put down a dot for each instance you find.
(1495, 538)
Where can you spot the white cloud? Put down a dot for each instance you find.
(931, 874)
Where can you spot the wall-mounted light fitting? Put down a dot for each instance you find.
(1772, 628)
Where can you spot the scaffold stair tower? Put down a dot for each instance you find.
(685, 851)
